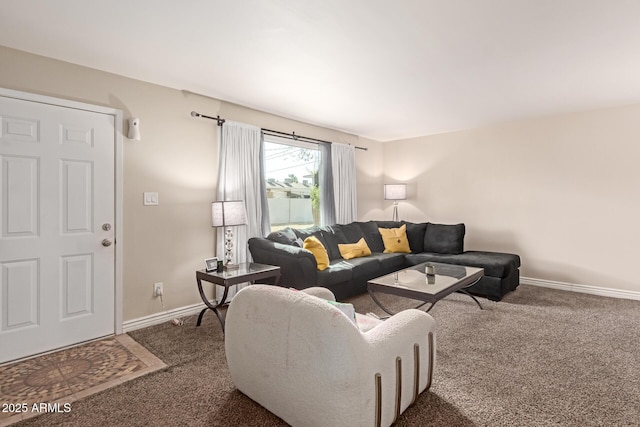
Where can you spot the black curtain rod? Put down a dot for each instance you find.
(291, 135)
(218, 119)
(295, 137)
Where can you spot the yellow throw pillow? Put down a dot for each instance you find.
(395, 239)
(354, 250)
(316, 247)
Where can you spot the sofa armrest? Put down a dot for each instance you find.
(298, 266)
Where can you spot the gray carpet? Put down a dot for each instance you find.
(540, 357)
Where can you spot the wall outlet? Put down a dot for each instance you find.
(157, 289)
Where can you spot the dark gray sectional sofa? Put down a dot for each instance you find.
(428, 242)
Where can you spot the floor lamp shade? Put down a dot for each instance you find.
(395, 192)
(227, 214)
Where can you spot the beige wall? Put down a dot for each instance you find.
(370, 174)
(561, 191)
(177, 157)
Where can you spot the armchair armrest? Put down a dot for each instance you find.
(405, 347)
(320, 292)
(298, 266)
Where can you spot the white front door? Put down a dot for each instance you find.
(56, 227)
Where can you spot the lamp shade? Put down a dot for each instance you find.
(228, 213)
(395, 191)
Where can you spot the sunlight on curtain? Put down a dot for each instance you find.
(325, 176)
(343, 167)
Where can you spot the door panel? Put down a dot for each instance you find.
(20, 294)
(57, 180)
(77, 285)
(77, 193)
(20, 196)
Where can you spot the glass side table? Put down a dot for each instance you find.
(246, 272)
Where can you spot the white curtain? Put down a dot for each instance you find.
(325, 178)
(343, 167)
(240, 177)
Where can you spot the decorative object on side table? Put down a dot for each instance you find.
(395, 192)
(227, 214)
(210, 264)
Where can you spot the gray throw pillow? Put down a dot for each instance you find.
(285, 236)
(444, 238)
(415, 235)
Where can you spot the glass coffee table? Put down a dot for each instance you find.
(416, 284)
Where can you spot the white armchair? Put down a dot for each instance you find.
(304, 360)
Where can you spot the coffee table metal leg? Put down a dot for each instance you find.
(373, 297)
(386, 310)
(472, 297)
(464, 291)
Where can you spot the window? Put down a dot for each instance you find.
(291, 175)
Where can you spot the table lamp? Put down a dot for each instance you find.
(227, 214)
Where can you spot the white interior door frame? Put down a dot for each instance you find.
(118, 184)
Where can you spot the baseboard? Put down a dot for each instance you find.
(585, 289)
(165, 316)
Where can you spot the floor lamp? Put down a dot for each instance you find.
(227, 214)
(395, 192)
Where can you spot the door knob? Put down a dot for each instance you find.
(106, 242)
(106, 227)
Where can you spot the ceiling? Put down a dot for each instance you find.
(380, 69)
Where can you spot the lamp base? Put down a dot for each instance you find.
(231, 267)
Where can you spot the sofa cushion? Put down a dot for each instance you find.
(390, 262)
(495, 264)
(313, 245)
(371, 235)
(352, 232)
(415, 234)
(366, 267)
(333, 236)
(326, 236)
(444, 239)
(388, 224)
(395, 239)
(354, 250)
(337, 272)
(303, 233)
(285, 236)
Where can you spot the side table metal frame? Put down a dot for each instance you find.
(227, 282)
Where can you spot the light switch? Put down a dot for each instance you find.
(150, 199)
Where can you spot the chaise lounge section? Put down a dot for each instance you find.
(348, 277)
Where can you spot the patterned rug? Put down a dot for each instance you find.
(52, 382)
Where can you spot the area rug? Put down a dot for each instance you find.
(53, 382)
